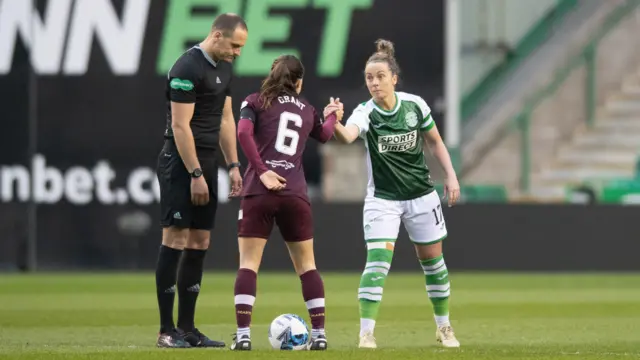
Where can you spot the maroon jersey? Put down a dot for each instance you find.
(280, 133)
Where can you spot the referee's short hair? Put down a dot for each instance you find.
(227, 23)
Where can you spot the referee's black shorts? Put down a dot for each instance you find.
(176, 208)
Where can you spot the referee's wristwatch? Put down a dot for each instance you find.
(233, 165)
(196, 173)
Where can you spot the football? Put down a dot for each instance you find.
(288, 332)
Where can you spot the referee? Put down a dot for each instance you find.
(199, 122)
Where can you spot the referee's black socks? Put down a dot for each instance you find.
(166, 268)
(189, 279)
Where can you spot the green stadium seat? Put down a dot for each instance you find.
(620, 191)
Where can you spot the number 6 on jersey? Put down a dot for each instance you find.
(284, 133)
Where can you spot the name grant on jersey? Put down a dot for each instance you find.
(397, 142)
(291, 99)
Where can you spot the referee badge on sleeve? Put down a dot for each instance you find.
(180, 84)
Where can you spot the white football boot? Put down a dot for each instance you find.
(367, 341)
(447, 337)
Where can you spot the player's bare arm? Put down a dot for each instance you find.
(439, 150)
(347, 134)
(228, 146)
(181, 114)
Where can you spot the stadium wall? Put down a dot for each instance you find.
(95, 93)
(481, 237)
(83, 118)
(82, 87)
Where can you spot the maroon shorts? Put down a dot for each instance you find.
(292, 214)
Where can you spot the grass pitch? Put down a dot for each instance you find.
(496, 316)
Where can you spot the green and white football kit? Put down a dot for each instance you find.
(399, 190)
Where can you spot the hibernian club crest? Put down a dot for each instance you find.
(411, 119)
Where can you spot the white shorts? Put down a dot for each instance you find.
(422, 218)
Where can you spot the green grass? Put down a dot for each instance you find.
(496, 316)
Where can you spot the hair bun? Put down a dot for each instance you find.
(385, 47)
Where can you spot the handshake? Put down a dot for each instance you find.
(334, 106)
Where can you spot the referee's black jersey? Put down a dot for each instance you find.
(197, 78)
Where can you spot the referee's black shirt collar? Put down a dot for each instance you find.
(206, 56)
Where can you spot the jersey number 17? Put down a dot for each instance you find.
(284, 133)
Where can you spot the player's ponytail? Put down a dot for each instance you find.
(285, 73)
(385, 52)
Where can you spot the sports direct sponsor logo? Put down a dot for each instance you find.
(397, 143)
(79, 185)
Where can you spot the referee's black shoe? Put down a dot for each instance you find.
(197, 339)
(172, 340)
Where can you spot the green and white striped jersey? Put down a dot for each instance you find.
(393, 139)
